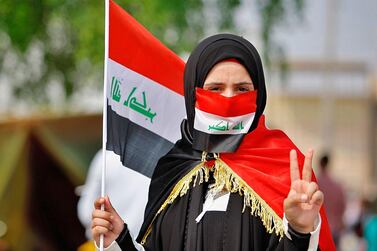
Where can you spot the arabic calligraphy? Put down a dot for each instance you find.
(224, 126)
(239, 126)
(115, 89)
(219, 126)
(140, 107)
(131, 101)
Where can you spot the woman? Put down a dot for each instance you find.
(228, 182)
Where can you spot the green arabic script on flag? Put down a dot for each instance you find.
(222, 126)
(115, 89)
(131, 101)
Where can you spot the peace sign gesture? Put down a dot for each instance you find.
(304, 200)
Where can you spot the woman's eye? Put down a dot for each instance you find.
(243, 89)
(214, 89)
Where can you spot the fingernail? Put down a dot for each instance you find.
(304, 197)
(111, 217)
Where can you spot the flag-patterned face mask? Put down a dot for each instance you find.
(219, 115)
(221, 122)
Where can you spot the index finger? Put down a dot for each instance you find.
(99, 202)
(295, 173)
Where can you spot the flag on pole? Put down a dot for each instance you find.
(145, 103)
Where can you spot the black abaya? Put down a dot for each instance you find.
(176, 229)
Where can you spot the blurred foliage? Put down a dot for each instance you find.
(61, 42)
(273, 13)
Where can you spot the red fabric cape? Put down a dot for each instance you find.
(262, 161)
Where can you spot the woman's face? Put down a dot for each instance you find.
(228, 79)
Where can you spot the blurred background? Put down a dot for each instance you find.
(320, 61)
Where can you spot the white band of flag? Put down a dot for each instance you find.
(213, 124)
(145, 102)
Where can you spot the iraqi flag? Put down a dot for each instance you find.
(144, 103)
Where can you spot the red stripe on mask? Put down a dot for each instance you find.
(214, 103)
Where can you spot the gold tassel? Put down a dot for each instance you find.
(225, 178)
(200, 172)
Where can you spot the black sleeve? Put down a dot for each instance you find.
(124, 240)
(299, 242)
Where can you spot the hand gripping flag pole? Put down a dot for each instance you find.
(104, 116)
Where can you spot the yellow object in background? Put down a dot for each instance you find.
(87, 246)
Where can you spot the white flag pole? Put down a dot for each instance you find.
(104, 116)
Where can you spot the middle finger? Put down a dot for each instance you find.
(102, 223)
(307, 169)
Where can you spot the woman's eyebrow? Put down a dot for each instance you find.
(214, 83)
(244, 83)
(221, 83)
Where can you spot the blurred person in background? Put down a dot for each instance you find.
(335, 198)
(352, 239)
(369, 219)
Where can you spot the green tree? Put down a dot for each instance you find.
(61, 42)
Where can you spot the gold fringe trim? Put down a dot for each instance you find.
(199, 172)
(225, 178)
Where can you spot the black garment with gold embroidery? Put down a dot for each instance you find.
(176, 229)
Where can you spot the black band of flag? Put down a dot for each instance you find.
(138, 148)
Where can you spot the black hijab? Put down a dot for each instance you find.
(183, 156)
(209, 52)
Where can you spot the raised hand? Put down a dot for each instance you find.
(106, 222)
(304, 200)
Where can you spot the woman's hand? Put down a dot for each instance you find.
(304, 200)
(106, 222)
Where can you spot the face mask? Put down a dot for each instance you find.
(217, 114)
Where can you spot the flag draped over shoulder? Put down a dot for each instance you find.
(145, 103)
